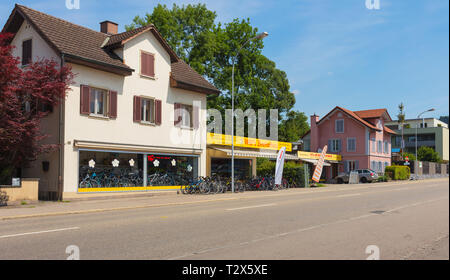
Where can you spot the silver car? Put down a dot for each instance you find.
(365, 176)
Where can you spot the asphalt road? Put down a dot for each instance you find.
(396, 221)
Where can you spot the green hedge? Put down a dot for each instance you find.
(293, 172)
(398, 172)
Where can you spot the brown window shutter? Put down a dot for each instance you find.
(151, 65)
(85, 99)
(195, 117)
(137, 109)
(158, 112)
(113, 104)
(144, 64)
(147, 64)
(26, 52)
(177, 116)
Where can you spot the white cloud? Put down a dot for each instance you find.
(296, 92)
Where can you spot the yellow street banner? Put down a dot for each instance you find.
(245, 142)
(310, 155)
(319, 166)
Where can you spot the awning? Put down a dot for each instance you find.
(313, 161)
(252, 154)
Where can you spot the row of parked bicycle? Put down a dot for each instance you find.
(122, 178)
(214, 185)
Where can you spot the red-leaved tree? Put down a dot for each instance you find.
(26, 94)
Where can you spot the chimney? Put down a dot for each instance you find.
(109, 27)
(314, 145)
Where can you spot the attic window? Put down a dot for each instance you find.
(26, 52)
(147, 64)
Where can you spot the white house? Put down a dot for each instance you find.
(133, 120)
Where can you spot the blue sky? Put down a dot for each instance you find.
(335, 52)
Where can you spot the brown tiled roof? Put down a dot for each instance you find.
(118, 38)
(83, 45)
(358, 118)
(370, 114)
(71, 39)
(184, 75)
(388, 130)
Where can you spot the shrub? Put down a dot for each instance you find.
(383, 178)
(428, 154)
(398, 172)
(293, 172)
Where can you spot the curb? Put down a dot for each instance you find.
(114, 209)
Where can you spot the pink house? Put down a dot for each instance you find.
(360, 137)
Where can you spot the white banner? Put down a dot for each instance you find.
(319, 166)
(279, 166)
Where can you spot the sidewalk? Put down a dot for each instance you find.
(98, 203)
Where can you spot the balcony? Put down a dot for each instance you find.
(427, 143)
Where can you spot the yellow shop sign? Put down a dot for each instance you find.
(245, 142)
(309, 155)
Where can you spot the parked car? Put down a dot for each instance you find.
(365, 176)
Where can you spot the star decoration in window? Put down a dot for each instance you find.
(174, 162)
(189, 168)
(131, 162)
(156, 163)
(115, 163)
(91, 163)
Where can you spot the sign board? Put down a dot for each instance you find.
(319, 166)
(245, 142)
(15, 182)
(354, 177)
(279, 166)
(310, 155)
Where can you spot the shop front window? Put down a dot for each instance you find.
(168, 170)
(110, 170)
(222, 167)
(122, 170)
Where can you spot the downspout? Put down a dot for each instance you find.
(61, 143)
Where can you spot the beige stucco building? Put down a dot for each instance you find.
(135, 108)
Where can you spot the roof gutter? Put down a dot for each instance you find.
(101, 65)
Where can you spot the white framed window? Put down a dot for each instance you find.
(148, 110)
(335, 145)
(98, 102)
(373, 145)
(339, 126)
(351, 144)
(386, 147)
(380, 147)
(186, 116)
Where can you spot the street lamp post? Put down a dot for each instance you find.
(423, 124)
(259, 36)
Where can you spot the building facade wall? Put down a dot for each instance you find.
(122, 130)
(49, 125)
(366, 143)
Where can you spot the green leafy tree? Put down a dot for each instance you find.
(209, 48)
(411, 157)
(428, 154)
(293, 126)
